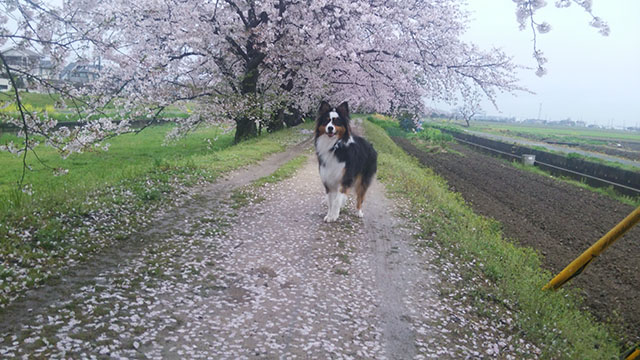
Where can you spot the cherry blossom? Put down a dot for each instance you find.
(250, 63)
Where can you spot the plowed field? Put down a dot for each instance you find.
(557, 219)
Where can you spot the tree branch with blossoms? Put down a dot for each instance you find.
(247, 62)
(525, 14)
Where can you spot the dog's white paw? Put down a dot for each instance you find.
(330, 218)
(360, 214)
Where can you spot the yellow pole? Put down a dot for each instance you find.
(577, 265)
(633, 355)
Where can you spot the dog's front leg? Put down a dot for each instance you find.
(333, 203)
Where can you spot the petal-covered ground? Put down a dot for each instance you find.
(267, 278)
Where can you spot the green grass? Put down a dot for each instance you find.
(35, 100)
(432, 135)
(249, 194)
(390, 125)
(429, 138)
(43, 231)
(551, 320)
(128, 156)
(284, 172)
(568, 134)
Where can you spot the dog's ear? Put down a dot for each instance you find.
(324, 108)
(343, 110)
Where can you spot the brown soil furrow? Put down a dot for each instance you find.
(557, 219)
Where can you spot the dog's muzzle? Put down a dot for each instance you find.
(330, 131)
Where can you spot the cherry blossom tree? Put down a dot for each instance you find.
(249, 62)
(467, 111)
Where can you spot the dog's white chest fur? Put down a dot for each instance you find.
(331, 170)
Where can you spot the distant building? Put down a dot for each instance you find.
(535, 121)
(22, 59)
(30, 62)
(80, 74)
(495, 118)
(566, 122)
(45, 69)
(5, 84)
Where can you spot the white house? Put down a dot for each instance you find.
(5, 84)
(23, 59)
(82, 74)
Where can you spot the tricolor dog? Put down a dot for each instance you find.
(346, 161)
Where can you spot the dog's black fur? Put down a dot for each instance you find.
(351, 154)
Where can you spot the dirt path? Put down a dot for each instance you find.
(266, 280)
(558, 219)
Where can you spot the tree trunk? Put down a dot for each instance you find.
(276, 122)
(292, 117)
(245, 129)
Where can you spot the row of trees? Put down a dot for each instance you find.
(252, 62)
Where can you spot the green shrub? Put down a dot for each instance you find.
(391, 126)
(408, 122)
(449, 128)
(432, 135)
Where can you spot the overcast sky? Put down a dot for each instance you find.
(590, 77)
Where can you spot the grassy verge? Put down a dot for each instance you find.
(128, 156)
(284, 172)
(596, 160)
(106, 196)
(561, 133)
(250, 194)
(551, 320)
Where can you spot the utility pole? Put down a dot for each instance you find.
(539, 111)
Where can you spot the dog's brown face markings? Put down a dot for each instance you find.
(335, 125)
(333, 121)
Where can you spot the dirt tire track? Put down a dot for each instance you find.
(557, 219)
